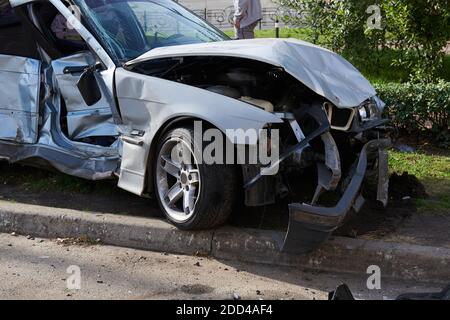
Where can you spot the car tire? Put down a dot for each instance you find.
(192, 195)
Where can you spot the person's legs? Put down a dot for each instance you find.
(247, 32)
(239, 33)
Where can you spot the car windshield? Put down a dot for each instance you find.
(129, 28)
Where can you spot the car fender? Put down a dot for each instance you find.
(147, 103)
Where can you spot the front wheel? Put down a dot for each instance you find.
(192, 195)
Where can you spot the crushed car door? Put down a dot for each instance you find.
(19, 98)
(83, 121)
(19, 79)
(79, 121)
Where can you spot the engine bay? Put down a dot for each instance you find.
(265, 86)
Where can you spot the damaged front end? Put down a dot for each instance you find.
(347, 152)
(333, 138)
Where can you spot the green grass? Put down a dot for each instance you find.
(295, 33)
(433, 170)
(422, 165)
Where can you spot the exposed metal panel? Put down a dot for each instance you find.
(99, 168)
(19, 103)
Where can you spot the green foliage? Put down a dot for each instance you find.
(416, 29)
(421, 28)
(421, 108)
(339, 25)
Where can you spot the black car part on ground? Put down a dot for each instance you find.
(443, 295)
(342, 292)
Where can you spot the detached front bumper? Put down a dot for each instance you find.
(310, 226)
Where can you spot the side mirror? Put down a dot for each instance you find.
(88, 86)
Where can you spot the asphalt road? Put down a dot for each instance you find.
(37, 269)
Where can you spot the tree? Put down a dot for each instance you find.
(416, 29)
(420, 29)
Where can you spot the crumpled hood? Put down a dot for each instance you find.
(321, 70)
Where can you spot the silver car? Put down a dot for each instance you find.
(118, 89)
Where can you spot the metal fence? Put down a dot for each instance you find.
(223, 18)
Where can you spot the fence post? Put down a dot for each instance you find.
(277, 28)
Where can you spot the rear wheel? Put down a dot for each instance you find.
(192, 195)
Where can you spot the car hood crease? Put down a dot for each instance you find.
(321, 70)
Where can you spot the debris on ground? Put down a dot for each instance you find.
(404, 148)
(376, 221)
(201, 254)
(196, 289)
(83, 241)
(406, 185)
(236, 296)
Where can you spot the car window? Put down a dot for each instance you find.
(64, 31)
(129, 28)
(162, 27)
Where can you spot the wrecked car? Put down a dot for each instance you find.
(108, 89)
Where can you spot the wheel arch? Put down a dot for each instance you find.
(168, 125)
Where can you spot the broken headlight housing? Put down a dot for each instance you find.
(371, 109)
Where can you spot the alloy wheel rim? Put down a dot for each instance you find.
(178, 179)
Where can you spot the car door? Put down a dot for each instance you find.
(19, 81)
(19, 98)
(83, 121)
(80, 121)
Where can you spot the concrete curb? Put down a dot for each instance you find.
(396, 260)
